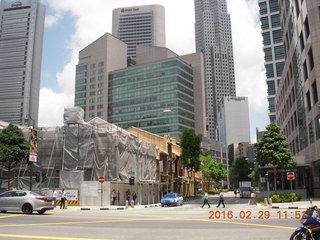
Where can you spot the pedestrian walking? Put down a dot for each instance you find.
(128, 194)
(205, 200)
(235, 192)
(63, 199)
(221, 200)
(114, 196)
(134, 197)
(54, 197)
(118, 197)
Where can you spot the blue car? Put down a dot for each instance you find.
(172, 199)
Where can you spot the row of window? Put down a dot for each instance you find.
(273, 6)
(137, 70)
(276, 53)
(155, 98)
(276, 37)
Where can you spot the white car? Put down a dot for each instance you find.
(25, 201)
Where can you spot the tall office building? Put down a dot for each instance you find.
(297, 98)
(158, 94)
(273, 49)
(213, 38)
(21, 34)
(105, 54)
(233, 120)
(139, 25)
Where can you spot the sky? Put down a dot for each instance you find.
(71, 25)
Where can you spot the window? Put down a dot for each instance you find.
(274, 6)
(317, 125)
(308, 100)
(93, 65)
(311, 134)
(310, 56)
(277, 36)
(301, 41)
(263, 8)
(264, 23)
(100, 114)
(101, 64)
(91, 108)
(275, 20)
(314, 92)
(305, 70)
(279, 67)
(272, 107)
(271, 88)
(267, 54)
(266, 38)
(279, 52)
(269, 69)
(306, 27)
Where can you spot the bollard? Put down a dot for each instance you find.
(310, 201)
(265, 202)
(270, 202)
(127, 204)
(132, 203)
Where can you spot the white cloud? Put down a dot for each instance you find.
(94, 18)
(52, 106)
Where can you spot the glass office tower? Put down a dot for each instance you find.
(157, 97)
(21, 34)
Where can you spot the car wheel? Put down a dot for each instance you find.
(41, 211)
(27, 208)
(3, 211)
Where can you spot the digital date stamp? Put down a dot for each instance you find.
(262, 214)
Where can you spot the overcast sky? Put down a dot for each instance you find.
(71, 25)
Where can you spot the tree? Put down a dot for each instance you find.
(240, 170)
(272, 149)
(191, 150)
(211, 168)
(13, 148)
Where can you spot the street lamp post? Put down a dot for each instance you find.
(267, 178)
(30, 162)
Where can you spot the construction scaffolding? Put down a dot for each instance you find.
(84, 151)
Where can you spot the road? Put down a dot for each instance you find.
(237, 221)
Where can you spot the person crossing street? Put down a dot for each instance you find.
(205, 198)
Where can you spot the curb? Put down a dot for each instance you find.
(286, 207)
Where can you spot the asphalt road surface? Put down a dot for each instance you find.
(237, 221)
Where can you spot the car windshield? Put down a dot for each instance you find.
(170, 195)
(245, 189)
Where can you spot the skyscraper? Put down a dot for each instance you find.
(213, 38)
(233, 120)
(139, 25)
(297, 98)
(273, 49)
(96, 60)
(21, 34)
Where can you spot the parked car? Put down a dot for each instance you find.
(25, 201)
(171, 199)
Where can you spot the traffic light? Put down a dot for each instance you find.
(37, 177)
(44, 177)
(131, 181)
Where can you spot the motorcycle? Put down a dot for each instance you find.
(311, 226)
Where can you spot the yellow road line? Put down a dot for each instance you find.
(66, 223)
(7, 216)
(46, 237)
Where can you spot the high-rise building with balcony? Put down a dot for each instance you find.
(21, 35)
(213, 38)
(139, 25)
(273, 49)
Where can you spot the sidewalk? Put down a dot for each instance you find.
(303, 204)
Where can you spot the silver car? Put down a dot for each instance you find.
(25, 201)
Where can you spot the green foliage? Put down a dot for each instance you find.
(252, 176)
(240, 171)
(273, 149)
(211, 168)
(13, 147)
(191, 149)
(285, 197)
(259, 199)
